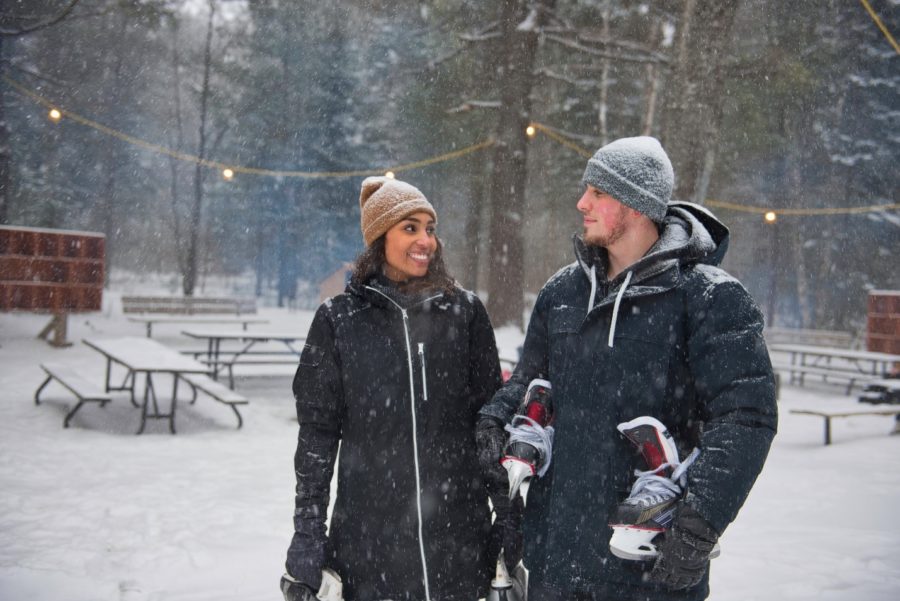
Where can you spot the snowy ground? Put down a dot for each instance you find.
(95, 513)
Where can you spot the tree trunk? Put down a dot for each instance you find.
(4, 147)
(507, 187)
(695, 97)
(190, 275)
(653, 81)
(472, 234)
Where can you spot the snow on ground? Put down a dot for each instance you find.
(95, 513)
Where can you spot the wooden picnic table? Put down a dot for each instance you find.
(149, 358)
(855, 367)
(865, 362)
(215, 356)
(149, 320)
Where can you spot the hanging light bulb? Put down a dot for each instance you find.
(530, 131)
(54, 115)
(771, 217)
(228, 174)
(389, 174)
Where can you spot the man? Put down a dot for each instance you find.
(642, 324)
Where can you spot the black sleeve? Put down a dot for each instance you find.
(319, 402)
(532, 364)
(484, 365)
(735, 387)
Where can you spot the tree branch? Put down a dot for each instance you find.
(649, 57)
(468, 105)
(52, 20)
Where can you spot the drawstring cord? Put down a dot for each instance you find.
(593, 288)
(615, 315)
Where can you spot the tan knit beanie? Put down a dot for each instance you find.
(383, 202)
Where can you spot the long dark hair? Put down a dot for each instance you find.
(371, 261)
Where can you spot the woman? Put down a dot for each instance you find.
(396, 369)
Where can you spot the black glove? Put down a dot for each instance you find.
(296, 591)
(506, 531)
(490, 438)
(684, 551)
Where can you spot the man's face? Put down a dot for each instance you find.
(605, 219)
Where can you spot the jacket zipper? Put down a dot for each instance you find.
(412, 404)
(424, 381)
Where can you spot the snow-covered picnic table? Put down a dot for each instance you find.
(149, 320)
(219, 359)
(847, 365)
(150, 358)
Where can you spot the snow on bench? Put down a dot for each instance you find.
(217, 391)
(829, 415)
(84, 390)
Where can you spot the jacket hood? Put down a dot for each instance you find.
(690, 234)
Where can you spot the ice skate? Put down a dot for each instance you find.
(505, 587)
(650, 508)
(528, 451)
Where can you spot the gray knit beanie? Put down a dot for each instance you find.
(636, 172)
(384, 202)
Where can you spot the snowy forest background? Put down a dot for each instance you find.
(760, 104)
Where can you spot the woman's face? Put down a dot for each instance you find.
(409, 247)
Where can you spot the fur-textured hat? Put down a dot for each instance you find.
(636, 172)
(383, 202)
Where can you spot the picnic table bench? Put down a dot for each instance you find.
(217, 391)
(84, 390)
(187, 305)
(829, 415)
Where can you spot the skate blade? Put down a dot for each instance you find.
(632, 543)
(519, 474)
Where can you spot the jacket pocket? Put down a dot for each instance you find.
(563, 326)
(311, 355)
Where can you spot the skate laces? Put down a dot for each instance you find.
(524, 429)
(652, 489)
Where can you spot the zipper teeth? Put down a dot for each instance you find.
(424, 381)
(412, 404)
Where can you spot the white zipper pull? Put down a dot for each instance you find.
(422, 359)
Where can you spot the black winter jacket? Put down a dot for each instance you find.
(366, 349)
(687, 348)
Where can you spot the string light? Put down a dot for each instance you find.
(228, 172)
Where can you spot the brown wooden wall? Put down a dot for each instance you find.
(883, 322)
(51, 271)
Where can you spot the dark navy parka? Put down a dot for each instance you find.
(687, 349)
(372, 357)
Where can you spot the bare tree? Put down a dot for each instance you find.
(694, 95)
(10, 28)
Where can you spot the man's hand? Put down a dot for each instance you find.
(684, 551)
(490, 439)
(296, 591)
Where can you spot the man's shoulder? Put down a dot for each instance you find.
(563, 278)
(717, 290)
(709, 277)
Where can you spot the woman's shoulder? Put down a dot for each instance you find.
(463, 296)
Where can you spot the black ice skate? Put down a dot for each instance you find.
(650, 508)
(528, 451)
